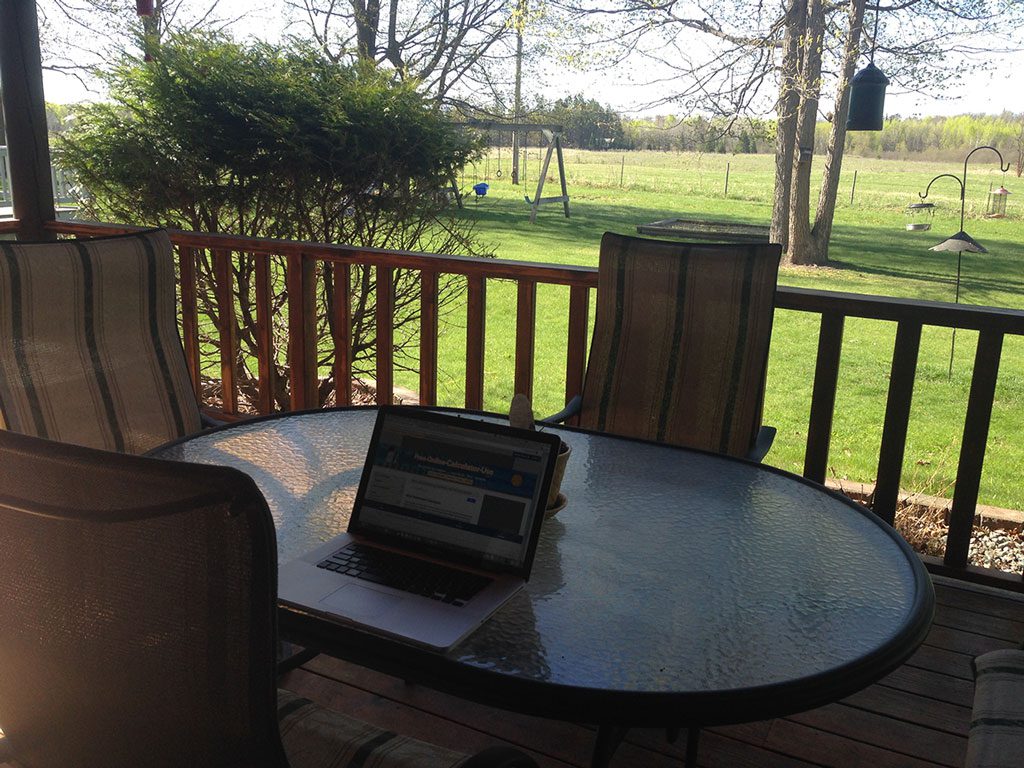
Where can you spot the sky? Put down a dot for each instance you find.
(989, 92)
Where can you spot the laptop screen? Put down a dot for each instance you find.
(464, 489)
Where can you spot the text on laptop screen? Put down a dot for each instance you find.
(454, 488)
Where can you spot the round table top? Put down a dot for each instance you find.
(718, 588)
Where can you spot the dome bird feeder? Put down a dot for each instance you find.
(959, 243)
(996, 208)
(919, 216)
(867, 94)
(867, 100)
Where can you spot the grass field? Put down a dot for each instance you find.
(871, 253)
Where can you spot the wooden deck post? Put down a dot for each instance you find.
(21, 78)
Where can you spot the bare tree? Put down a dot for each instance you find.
(922, 43)
(782, 56)
(443, 44)
(77, 36)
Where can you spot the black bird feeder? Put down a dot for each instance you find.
(867, 94)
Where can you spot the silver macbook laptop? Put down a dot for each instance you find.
(443, 530)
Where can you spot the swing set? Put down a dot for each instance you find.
(553, 138)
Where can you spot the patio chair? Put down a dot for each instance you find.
(89, 346)
(680, 346)
(138, 622)
(996, 737)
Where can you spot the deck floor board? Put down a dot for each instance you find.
(915, 717)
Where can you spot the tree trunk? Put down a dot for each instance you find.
(823, 217)
(517, 107)
(800, 244)
(394, 48)
(366, 14)
(28, 144)
(786, 112)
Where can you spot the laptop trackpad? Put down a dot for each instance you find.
(358, 601)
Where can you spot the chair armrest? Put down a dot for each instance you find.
(572, 408)
(996, 738)
(500, 757)
(762, 444)
(209, 422)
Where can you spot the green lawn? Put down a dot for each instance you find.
(871, 252)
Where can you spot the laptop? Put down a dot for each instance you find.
(443, 530)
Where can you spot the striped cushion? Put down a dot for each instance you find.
(315, 737)
(89, 346)
(680, 345)
(997, 722)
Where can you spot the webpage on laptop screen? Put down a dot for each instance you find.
(460, 489)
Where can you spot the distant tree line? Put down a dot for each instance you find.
(587, 124)
(939, 138)
(590, 125)
(701, 134)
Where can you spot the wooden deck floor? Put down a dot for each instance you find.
(917, 716)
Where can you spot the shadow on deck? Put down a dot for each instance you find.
(917, 716)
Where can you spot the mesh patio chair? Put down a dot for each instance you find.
(996, 738)
(138, 619)
(680, 346)
(89, 346)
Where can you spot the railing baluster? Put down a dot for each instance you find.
(476, 301)
(897, 419)
(342, 335)
(385, 316)
(190, 316)
(301, 285)
(526, 323)
(428, 337)
(576, 344)
(227, 329)
(972, 448)
(823, 398)
(264, 334)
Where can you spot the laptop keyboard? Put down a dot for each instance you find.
(409, 574)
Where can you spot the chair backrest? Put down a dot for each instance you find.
(680, 346)
(137, 611)
(89, 346)
(996, 738)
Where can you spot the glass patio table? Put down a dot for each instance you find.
(676, 588)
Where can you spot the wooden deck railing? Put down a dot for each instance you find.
(910, 317)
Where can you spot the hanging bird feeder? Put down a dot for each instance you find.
(996, 208)
(867, 100)
(919, 216)
(867, 94)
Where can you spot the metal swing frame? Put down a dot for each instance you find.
(553, 134)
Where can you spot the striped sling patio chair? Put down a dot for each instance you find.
(996, 738)
(89, 345)
(138, 625)
(680, 347)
